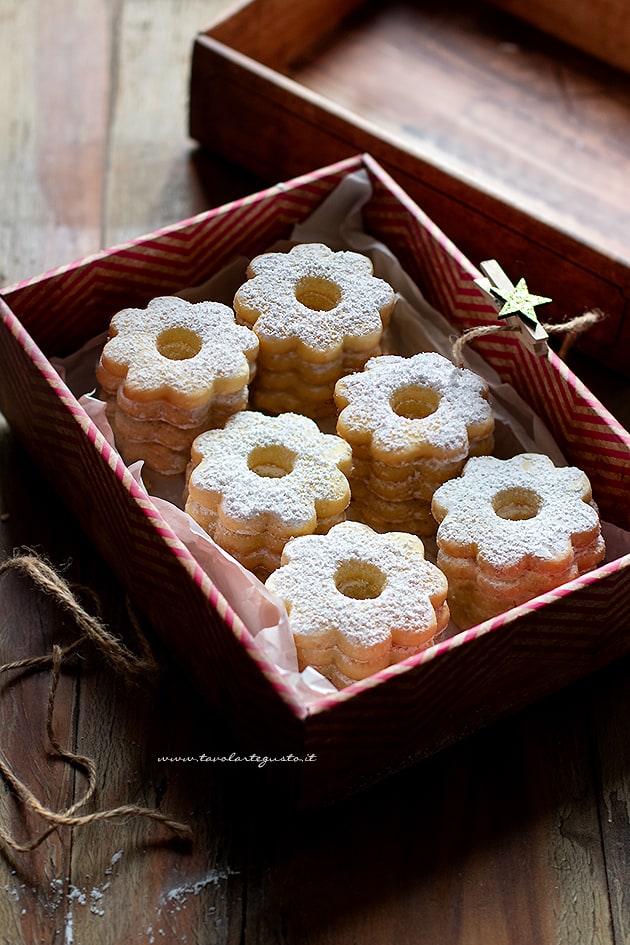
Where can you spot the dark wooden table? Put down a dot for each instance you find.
(520, 834)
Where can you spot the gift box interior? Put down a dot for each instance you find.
(513, 142)
(411, 709)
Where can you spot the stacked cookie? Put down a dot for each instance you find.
(318, 315)
(171, 371)
(262, 480)
(412, 424)
(512, 529)
(359, 601)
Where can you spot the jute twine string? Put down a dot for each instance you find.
(571, 329)
(132, 668)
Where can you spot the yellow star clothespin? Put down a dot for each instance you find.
(519, 305)
(521, 301)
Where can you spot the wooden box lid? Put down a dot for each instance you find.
(515, 144)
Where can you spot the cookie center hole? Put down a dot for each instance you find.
(271, 462)
(359, 580)
(320, 295)
(415, 402)
(178, 344)
(517, 504)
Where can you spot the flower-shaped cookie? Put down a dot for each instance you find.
(315, 302)
(273, 477)
(177, 352)
(399, 410)
(512, 529)
(358, 600)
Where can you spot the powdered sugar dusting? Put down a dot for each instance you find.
(225, 479)
(457, 408)
(562, 516)
(358, 307)
(64, 904)
(404, 592)
(218, 361)
(511, 530)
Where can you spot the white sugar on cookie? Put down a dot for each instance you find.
(358, 600)
(512, 529)
(169, 371)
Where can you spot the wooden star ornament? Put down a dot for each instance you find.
(518, 308)
(520, 301)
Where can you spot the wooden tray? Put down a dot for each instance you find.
(516, 145)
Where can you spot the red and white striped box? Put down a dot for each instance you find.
(409, 710)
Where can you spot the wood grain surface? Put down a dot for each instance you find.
(519, 835)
